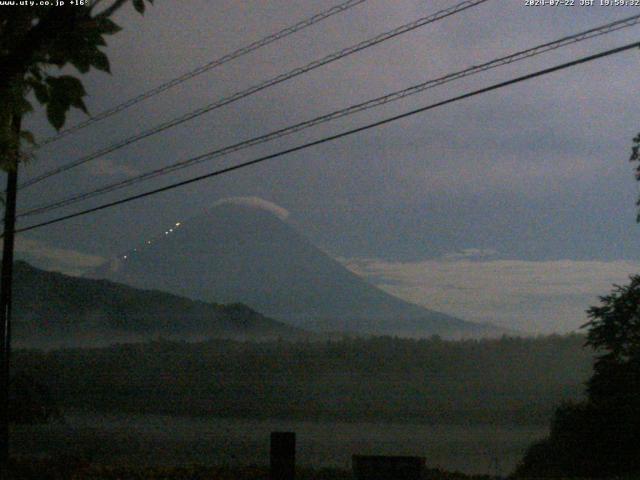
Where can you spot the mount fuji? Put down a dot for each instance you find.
(243, 250)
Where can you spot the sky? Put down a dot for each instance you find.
(515, 207)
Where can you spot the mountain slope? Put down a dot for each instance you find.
(52, 309)
(236, 253)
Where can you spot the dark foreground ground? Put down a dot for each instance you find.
(159, 440)
(71, 468)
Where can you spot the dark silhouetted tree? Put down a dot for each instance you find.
(600, 437)
(34, 40)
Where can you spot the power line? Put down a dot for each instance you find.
(259, 87)
(204, 68)
(346, 133)
(608, 28)
(521, 55)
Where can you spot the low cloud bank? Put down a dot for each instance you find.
(536, 297)
(41, 255)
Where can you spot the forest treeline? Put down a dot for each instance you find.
(508, 380)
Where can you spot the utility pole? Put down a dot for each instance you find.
(5, 298)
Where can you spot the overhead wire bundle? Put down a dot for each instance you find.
(353, 131)
(378, 101)
(383, 37)
(252, 47)
(375, 102)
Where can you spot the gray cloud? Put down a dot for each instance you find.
(108, 167)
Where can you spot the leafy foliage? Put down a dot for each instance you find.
(36, 39)
(59, 94)
(601, 436)
(614, 327)
(635, 157)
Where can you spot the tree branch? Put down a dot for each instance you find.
(115, 6)
(16, 63)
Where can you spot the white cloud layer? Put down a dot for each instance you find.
(531, 296)
(256, 202)
(70, 262)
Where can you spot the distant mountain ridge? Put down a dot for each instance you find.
(239, 253)
(55, 310)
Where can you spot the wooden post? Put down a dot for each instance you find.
(283, 456)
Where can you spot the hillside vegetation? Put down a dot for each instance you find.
(56, 310)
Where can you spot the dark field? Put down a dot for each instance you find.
(498, 382)
(466, 406)
(164, 441)
(28, 469)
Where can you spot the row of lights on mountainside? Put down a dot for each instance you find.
(149, 242)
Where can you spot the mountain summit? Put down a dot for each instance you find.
(243, 250)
